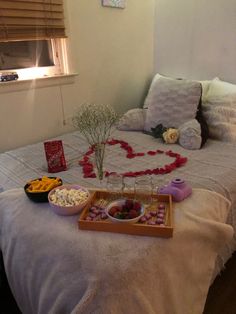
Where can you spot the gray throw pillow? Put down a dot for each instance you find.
(190, 135)
(132, 120)
(172, 102)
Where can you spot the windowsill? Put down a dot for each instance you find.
(46, 81)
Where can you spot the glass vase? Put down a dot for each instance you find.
(99, 154)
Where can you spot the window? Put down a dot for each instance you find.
(35, 58)
(25, 54)
(32, 37)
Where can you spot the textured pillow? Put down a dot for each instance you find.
(149, 95)
(228, 100)
(223, 131)
(220, 88)
(190, 135)
(172, 102)
(220, 115)
(132, 120)
(205, 87)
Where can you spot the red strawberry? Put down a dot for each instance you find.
(113, 210)
(133, 213)
(137, 206)
(129, 204)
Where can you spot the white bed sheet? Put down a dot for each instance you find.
(212, 168)
(53, 267)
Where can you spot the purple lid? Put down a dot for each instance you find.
(177, 181)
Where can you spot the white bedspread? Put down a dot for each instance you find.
(55, 268)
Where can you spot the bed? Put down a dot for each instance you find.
(53, 267)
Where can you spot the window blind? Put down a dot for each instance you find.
(31, 19)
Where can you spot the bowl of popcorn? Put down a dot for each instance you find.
(68, 199)
(38, 189)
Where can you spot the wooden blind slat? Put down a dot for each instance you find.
(31, 6)
(34, 19)
(32, 14)
(37, 1)
(41, 34)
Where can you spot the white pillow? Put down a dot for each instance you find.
(223, 101)
(220, 115)
(132, 120)
(223, 131)
(220, 88)
(172, 102)
(205, 88)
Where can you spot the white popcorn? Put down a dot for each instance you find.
(72, 197)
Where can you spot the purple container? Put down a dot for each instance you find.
(178, 188)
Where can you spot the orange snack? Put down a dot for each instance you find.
(43, 185)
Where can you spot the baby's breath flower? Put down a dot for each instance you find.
(95, 122)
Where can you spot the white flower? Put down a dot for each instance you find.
(95, 123)
(171, 136)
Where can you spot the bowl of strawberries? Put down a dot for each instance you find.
(125, 211)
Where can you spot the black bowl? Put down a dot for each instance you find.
(39, 197)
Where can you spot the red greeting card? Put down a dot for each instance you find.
(55, 156)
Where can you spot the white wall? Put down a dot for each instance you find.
(196, 38)
(111, 50)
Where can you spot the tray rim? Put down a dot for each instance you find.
(132, 229)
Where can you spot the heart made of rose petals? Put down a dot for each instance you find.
(88, 168)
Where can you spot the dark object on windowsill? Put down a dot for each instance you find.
(8, 76)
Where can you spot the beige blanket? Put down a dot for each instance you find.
(54, 268)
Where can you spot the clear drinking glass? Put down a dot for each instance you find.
(143, 189)
(115, 186)
(129, 188)
(155, 184)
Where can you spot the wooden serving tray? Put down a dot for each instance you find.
(137, 228)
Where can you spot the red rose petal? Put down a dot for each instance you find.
(88, 168)
(152, 153)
